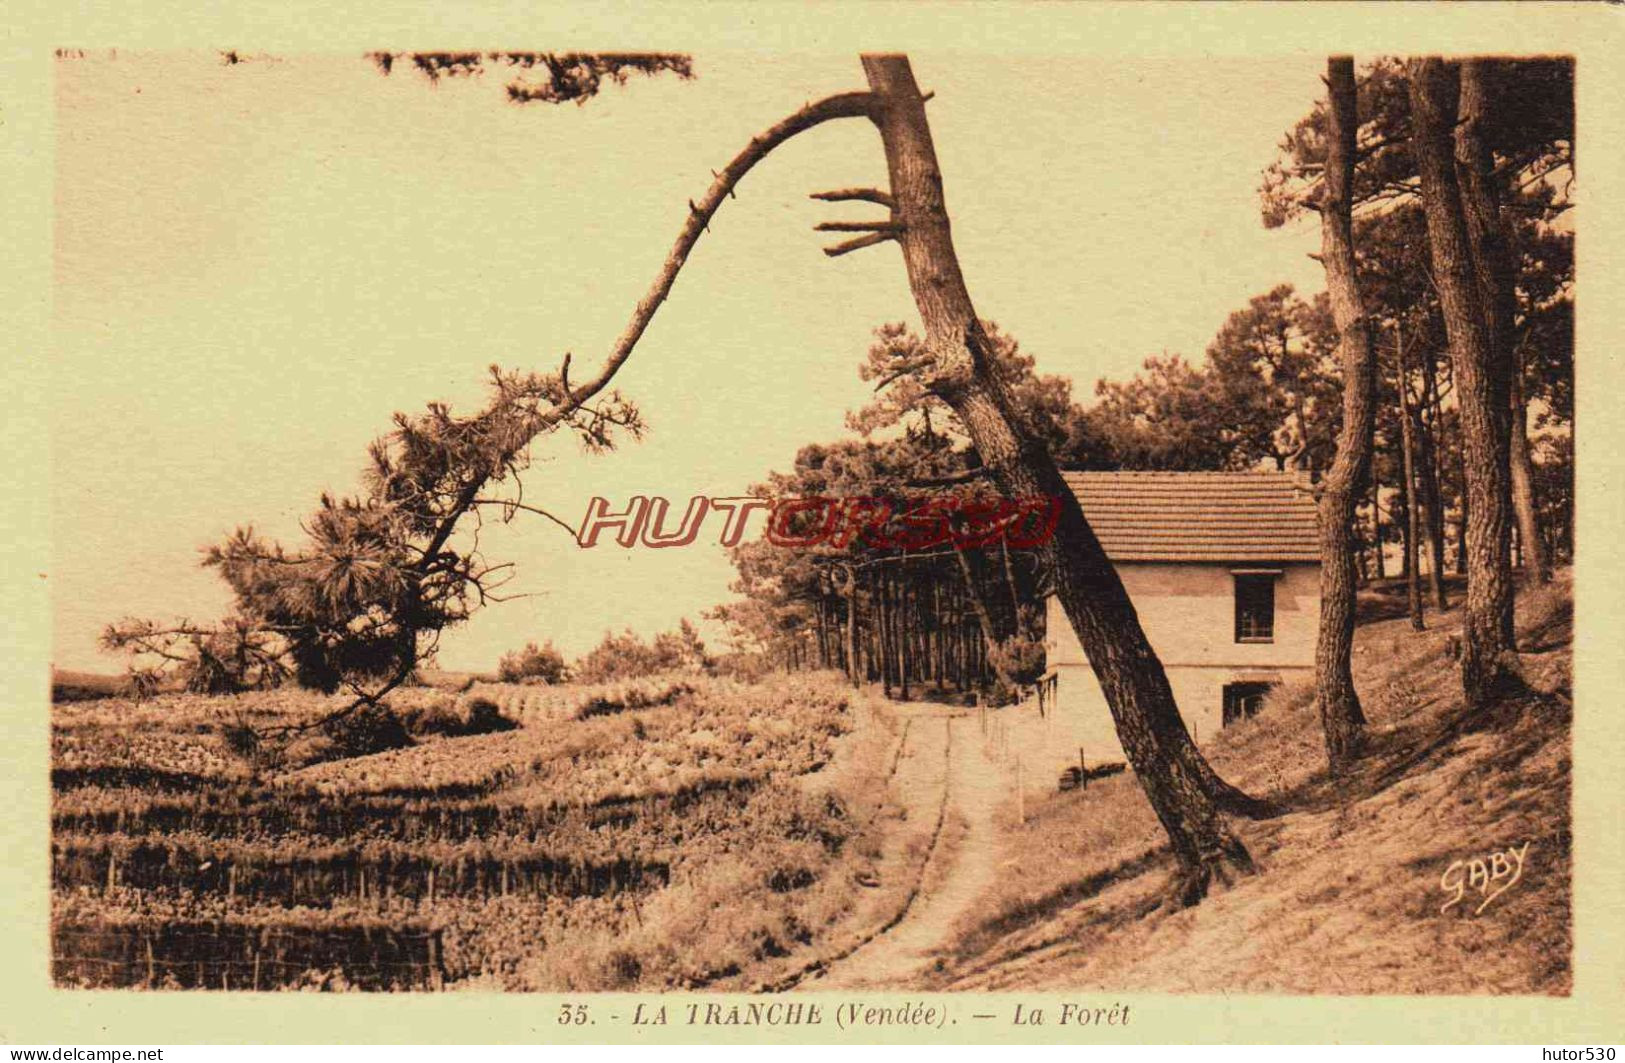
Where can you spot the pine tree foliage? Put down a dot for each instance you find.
(361, 603)
(542, 77)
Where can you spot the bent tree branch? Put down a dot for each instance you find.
(571, 398)
(845, 105)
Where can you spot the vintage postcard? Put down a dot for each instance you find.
(955, 523)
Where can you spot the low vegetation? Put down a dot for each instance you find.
(659, 833)
(533, 664)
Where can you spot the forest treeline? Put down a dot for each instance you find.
(1266, 393)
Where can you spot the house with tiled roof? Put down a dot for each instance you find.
(1223, 569)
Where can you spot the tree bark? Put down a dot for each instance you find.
(1141, 702)
(1340, 715)
(883, 630)
(973, 590)
(1010, 585)
(1536, 563)
(821, 656)
(1378, 561)
(901, 612)
(849, 588)
(1494, 266)
(936, 633)
(1404, 530)
(1481, 397)
(1432, 499)
(1413, 523)
(1461, 521)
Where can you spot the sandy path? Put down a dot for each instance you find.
(958, 870)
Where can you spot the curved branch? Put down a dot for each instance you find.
(899, 371)
(510, 505)
(361, 697)
(845, 105)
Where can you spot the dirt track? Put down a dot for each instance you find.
(961, 865)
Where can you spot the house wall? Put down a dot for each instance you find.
(1188, 612)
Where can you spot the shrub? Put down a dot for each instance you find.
(234, 659)
(745, 667)
(648, 695)
(430, 716)
(479, 716)
(369, 729)
(626, 656)
(1019, 658)
(456, 718)
(539, 664)
(144, 684)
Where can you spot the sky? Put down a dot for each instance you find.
(256, 265)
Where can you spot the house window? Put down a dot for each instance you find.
(1242, 700)
(1255, 608)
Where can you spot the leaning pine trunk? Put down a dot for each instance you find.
(1482, 399)
(1148, 723)
(1340, 715)
(993, 632)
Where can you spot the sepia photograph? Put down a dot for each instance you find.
(751, 524)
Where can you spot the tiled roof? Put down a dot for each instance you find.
(1199, 516)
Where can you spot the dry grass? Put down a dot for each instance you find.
(1349, 895)
(760, 914)
(717, 837)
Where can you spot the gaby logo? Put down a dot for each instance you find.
(883, 523)
(1490, 875)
